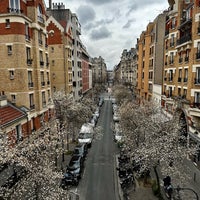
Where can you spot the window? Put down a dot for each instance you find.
(31, 101)
(30, 79)
(19, 133)
(28, 55)
(9, 48)
(179, 75)
(13, 98)
(170, 91)
(197, 97)
(172, 40)
(171, 61)
(11, 73)
(170, 75)
(7, 23)
(14, 6)
(42, 78)
(41, 58)
(43, 99)
(173, 23)
(40, 37)
(40, 15)
(185, 75)
(184, 93)
(187, 55)
(48, 80)
(27, 35)
(47, 59)
(197, 79)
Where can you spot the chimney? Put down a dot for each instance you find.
(50, 4)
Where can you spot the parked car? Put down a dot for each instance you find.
(85, 138)
(116, 117)
(117, 133)
(80, 150)
(69, 179)
(75, 166)
(101, 101)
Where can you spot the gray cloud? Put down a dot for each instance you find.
(100, 2)
(128, 24)
(86, 14)
(100, 33)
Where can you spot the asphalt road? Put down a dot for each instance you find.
(98, 181)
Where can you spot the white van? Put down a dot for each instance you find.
(86, 134)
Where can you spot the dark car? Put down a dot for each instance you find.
(75, 166)
(68, 180)
(80, 150)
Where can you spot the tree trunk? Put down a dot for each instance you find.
(157, 177)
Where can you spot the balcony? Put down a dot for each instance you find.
(197, 81)
(184, 39)
(14, 10)
(41, 19)
(185, 80)
(172, 44)
(171, 62)
(30, 84)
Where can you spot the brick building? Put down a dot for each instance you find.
(24, 65)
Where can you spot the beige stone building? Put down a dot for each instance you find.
(128, 66)
(60, 54)
(99, 71)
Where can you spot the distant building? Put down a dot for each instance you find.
(99, 71)
(128, 67)
(65, 16)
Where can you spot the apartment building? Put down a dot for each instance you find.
(128, 65)
(24, 65)
(150, 59)
(99, 71)
(60, 54)
(85, 70)
(63, 15)
(181, 87)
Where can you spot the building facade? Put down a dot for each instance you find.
(24, 65)
(99, 71)
(63, 16)
(60, 55)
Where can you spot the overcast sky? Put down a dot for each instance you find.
(109, 26)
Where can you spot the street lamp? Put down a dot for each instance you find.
(190, 189)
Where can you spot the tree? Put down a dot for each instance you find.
(121, 94)
(151, 138)
(33, 175)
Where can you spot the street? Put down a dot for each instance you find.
(98, 181)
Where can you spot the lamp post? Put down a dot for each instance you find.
(190, 189)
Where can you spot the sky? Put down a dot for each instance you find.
(110, 26)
